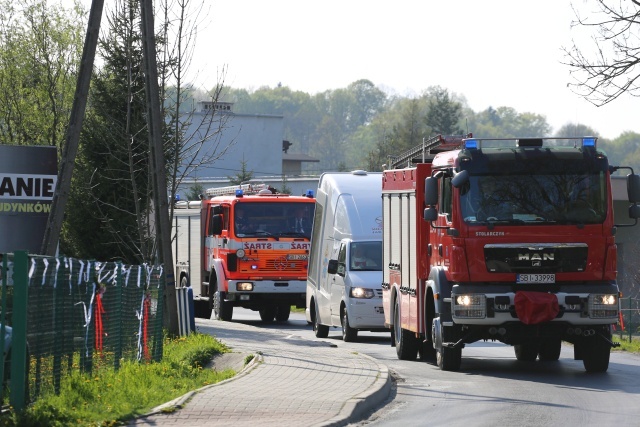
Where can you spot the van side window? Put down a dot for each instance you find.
(342, 255)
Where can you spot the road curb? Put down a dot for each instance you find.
(180, 402)
(356, 408)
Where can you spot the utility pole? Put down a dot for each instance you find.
(72, 138)
(158, 172)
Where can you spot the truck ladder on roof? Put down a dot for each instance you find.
(421, 152)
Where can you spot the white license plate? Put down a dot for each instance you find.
(297, 257)
(535, 278)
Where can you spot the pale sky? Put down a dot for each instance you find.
(494, 52)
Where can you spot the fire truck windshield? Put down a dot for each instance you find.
(284, 219)
(566, 198)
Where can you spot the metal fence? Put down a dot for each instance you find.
(629, 324)
(59, 315)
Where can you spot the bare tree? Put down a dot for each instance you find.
(613, 68)
(194, 137)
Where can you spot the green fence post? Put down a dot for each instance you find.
(59, 327)
(630, 320)
(118, 316)
(19, 338)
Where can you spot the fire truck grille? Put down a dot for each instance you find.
(532, 258)
(275, 263)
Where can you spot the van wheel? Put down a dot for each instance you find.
(348, 333)
(321, 331)
(406, 341)
(283, 312)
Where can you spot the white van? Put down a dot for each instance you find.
(345, 263)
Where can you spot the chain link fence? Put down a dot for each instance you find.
(63, 314)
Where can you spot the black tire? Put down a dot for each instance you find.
(596, 352)
(426, 350)
(527, 352)
(267, 314)
(321, 331)
(406, 341)
(448, 359)
(222, 310)
(550, 349)
(348, 333)
(283, 313)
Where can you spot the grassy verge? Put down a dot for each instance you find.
(625, 345)
(108, 397)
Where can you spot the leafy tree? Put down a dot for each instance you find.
(40, 50)
(112, 191)
(444, 114)
(613, 69)
(195, 191)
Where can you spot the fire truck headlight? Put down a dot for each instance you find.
(240, 253)
(603, 306)
(470, 306)
(244, 286)
(361, 293)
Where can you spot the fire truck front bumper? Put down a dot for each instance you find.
(575, 305)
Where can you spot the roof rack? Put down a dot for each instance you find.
(232, 189)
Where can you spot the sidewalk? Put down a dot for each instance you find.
(291, 382)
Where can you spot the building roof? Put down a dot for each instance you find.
(295, 157)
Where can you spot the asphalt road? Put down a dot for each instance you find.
(492, 387)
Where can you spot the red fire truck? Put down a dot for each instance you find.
(251, 250)
(508, 240)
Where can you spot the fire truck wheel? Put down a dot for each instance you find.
(406, 341)
(550, 349)
(267, 314)
(283, 312)
(596, 352)
(348, 333)
(321, 331)
(527, 352)
(448, 359)
(222, 310)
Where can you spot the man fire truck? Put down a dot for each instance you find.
(508, 240)
(250, 253)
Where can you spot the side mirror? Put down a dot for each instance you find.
(460, 179)
(431, 191)
(633, 187)
(333, 266)
(217, 210)
(430, 214)
(634, 211)
(215, 228)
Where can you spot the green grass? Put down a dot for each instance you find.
(108, 397)
(625, 345)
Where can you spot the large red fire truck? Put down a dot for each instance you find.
(249, 248)
(508, 240)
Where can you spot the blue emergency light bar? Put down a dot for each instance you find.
(309, 194)
(474, 143)
(239, 193)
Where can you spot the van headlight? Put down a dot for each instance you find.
(362, 293)
(603, 306)
(470, 306)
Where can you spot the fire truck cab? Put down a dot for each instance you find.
(254, 252)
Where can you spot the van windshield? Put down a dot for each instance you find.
(366, 256)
